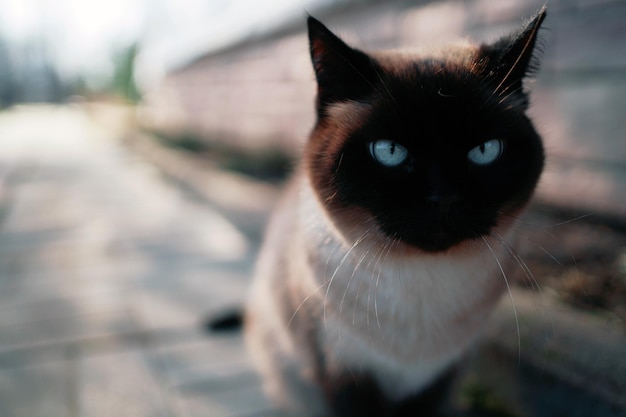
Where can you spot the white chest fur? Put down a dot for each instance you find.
(406, 321)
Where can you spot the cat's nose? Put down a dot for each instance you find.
(443, 198)
(439, 189)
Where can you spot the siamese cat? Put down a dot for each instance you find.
(393, 240)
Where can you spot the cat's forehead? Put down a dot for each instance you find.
(462, 55)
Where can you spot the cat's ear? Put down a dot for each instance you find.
(513, 57)
(342, 73)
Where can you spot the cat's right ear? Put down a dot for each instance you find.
(512, 58)
(342, 73)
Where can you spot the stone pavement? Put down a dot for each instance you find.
(106, 273)
(109, 268)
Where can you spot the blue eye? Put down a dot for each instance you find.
(486, 153)
(388, 153)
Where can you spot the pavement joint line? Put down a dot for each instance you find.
(139, 339)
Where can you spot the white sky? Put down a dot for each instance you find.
(81, 34)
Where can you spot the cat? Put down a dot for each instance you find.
(388, 250)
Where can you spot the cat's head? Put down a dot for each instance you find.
(429, 149)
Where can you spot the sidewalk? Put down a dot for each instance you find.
(106, 273)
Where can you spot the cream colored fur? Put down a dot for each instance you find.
(401, 316)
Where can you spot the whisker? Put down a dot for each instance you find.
(547, 334)
(369, 292)
(544, 227)
(546, 230)
(358, 264)
(338, 244)
(293, 316)
(550, 255)
(573, 219)
(345, 292)
(521, 221)
(332, 278)
(508, 287)
(550, 234)
(388, 249)
(529, 275)
(358, 290)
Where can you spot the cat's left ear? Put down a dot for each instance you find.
(342, 72)
(512, 58)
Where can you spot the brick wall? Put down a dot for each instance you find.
(261, 93)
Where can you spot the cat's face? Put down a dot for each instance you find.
(429, 150)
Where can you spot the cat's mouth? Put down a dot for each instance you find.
(439, 241)
(436, 233)
(435, 242)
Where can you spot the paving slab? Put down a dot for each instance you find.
(120, 384)
(243, 402)
(107, 272)
(188, 364)
(40, 390)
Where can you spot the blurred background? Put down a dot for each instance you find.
(143, 144)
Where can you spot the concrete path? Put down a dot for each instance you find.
(106, 273)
